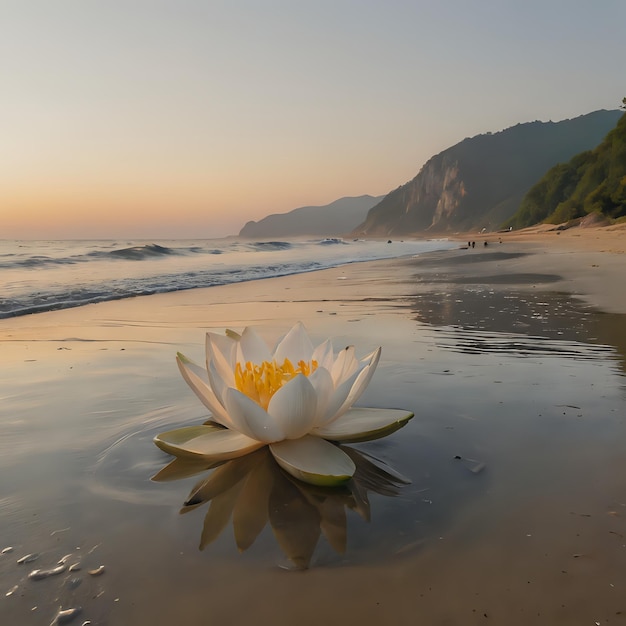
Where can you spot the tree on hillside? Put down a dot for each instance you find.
(591, 182)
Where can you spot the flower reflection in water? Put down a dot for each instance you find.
(253, 490)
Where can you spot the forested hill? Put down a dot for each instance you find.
(481, 181)
(591, 182)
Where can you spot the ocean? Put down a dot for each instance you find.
(38, 276)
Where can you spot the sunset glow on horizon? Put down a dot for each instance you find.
(157, 120)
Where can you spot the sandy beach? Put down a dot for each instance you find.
(512, 357)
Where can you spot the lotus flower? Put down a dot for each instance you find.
(297, 400)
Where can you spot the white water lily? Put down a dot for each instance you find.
(297, 400)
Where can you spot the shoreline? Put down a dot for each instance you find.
(590, 263)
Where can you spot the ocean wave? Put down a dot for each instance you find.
(271, 245)
(36, 262)
(331, 241)
(137, 253)
(134, 253)
(201, 250)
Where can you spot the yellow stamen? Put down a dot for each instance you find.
(261, 382)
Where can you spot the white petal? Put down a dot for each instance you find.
(218, 444)
(202, 390)
(338, 398)
(198, 370)
(313, 460)
(322, 382)
(295, 346)
(324, 355)
(218, 384)
(251, 419)
(226, 344)
(221, 351)
(345, 365)
(252, 348)
(360, 383)
(360, 424)
(371, 357)
(294, 407)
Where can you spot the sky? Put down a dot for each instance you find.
(186, 118)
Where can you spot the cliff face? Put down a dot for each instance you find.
(480, 182)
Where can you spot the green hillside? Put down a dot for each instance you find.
(591, 182)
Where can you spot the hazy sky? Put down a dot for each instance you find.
(153, 119)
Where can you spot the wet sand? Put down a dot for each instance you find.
(512, 357)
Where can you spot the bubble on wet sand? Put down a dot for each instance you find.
(64, 616)
(28, 558)
(40, 574)
(11, 591)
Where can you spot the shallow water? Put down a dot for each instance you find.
(515, 459)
